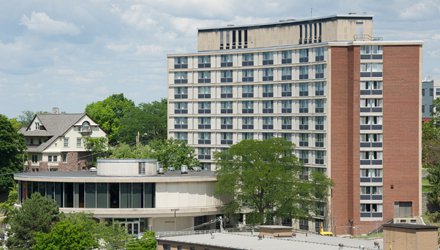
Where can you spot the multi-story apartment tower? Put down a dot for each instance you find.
(349, 101)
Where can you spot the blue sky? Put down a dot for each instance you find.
(67, 54)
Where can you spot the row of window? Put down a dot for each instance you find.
(249, 59)
(247, 75)
(249, 107)
(249, 122)
(267, 90)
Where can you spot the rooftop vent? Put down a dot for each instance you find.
(92, 169)
(184, 169)
(160, 170)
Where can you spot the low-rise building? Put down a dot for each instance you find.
(130, 192)
(55, 142)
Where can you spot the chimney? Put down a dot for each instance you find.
(56, 110)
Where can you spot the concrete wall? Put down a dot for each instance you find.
(181, 195)
(126, 167)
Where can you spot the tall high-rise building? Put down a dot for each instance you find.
(349, 101)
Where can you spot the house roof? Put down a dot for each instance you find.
(55, 126)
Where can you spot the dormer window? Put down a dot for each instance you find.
(37, 125)
(85, 127)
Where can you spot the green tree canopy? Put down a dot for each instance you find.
(108, 113)
(146, 242)
(265, 176)
(434, 180)
(174, 153)
(37, 214)
(148, 121)
(12, 147)
(125, 151)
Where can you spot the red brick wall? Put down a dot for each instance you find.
(401, 133)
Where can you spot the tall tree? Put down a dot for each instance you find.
(37, 214)
(108, 113)
(265, 176)
(148, 122)
(124, 151)
(12, 147)
(26, 117)
(174, 153)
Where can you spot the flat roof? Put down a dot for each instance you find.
(417, 227)
(248, 241)
(289, 22)
(92, 176)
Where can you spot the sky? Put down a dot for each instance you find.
(68, 54)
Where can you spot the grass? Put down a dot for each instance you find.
(426, 186)
(369, 236)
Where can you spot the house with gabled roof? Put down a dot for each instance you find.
(55, 142)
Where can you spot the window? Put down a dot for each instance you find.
(319, 157)
(226, 122)
(267, 74)
(303, 55)
(248, 123)
(181, 107)
(371, 122)
(226, 61)
(204, 153)
(371, 210)
(319, 71)
(204, 92)
(286, 122)
(181, 136)
(52, 158)
(286, 57)
(204, 122)
(286, 106)
(226, 107)
(319, 106)
(371, 52)
(66, 142)
(248, 75)
(287, 136)
(226, 92)
(431, 91)
(267, 107)
(247, 107)
(247, 136)
(286, 89)
(319, 140)
(248, 59)
(319, 123)
(423, 108)
(371, 173)
(64, 157)
(267, 122)
(268, 90)
(204, 138)
(319, 89)
(303, 140)
(78, 142)
(180, 122)
(141, 166)
(37, 125)
(204, 77)
(303, 106)
(303, 123)
(267, 136)
(371, 69)
(304, 156)
(181, 92)
(180, 62)
(319, 54)
(267, 58)
(247, 91)
(371, 105)
(286, 73)
(226, 76)
(204, 107)
(303, 89)
(226, 138)
(204, 61)
(303, 72)
(371, 190)
(166, 247)
(303, 224)
(371, 88)
(180, 77)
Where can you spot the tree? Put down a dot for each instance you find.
(430, 144)
(174, 153)
(98, 146)
(7, 207)
(81, 231)
(265, 176)
(12, 147)
(125, 151)
(74, 232)
(108, 113)
(27, 116)
(148, 121)
(147, 241)
(37, 214)
(434, 179)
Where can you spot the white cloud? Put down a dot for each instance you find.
(421, 10)
(40, 22)
(436, 37)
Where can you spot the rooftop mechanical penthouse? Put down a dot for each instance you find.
(347, 99)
